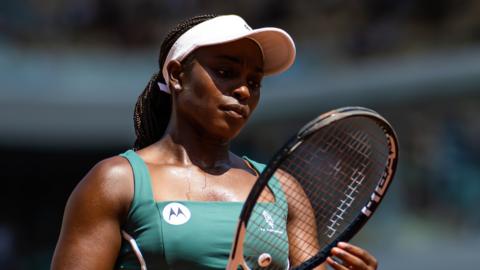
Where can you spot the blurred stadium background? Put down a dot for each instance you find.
(70, 73)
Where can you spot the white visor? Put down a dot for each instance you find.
(276, 45)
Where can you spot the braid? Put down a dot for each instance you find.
(150, 116)
(153, 107)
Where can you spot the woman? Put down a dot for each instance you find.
(176, 199)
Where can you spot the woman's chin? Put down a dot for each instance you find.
(226, 132)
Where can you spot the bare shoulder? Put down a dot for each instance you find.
(287, 181)
(296, 197)
(113, 170)
(110, 183)
(90, 234)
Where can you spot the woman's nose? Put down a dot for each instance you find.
(241, 93)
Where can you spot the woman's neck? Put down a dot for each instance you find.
(186, 145)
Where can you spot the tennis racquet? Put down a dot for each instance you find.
(331, 176)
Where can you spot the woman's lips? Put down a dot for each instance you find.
(235, 110)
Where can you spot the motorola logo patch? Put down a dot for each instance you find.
(176, 213)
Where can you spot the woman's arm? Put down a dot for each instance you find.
(90, 237)
(302, 232)
(301, 224)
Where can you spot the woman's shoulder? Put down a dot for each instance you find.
(93, 215)
(109, 182)
(114, 169)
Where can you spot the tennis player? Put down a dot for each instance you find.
(174, 201)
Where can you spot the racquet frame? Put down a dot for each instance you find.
(236, 255)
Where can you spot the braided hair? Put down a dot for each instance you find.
(153, 107)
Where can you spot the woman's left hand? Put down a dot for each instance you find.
(352, 258)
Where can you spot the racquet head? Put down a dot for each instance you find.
(320, 188)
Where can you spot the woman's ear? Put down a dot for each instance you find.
(174, 69)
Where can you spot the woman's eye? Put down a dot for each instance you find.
(224, 73)
(254, 84)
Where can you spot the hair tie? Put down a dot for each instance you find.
(163, 87)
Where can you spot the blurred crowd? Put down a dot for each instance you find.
(441, 158)
(352, 28)
(440, 169)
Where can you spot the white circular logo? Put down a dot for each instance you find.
(176, 213)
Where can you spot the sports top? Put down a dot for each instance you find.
(185, 235)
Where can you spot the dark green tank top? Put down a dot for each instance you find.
(184, 235)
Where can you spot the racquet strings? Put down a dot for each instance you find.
(337, 168)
